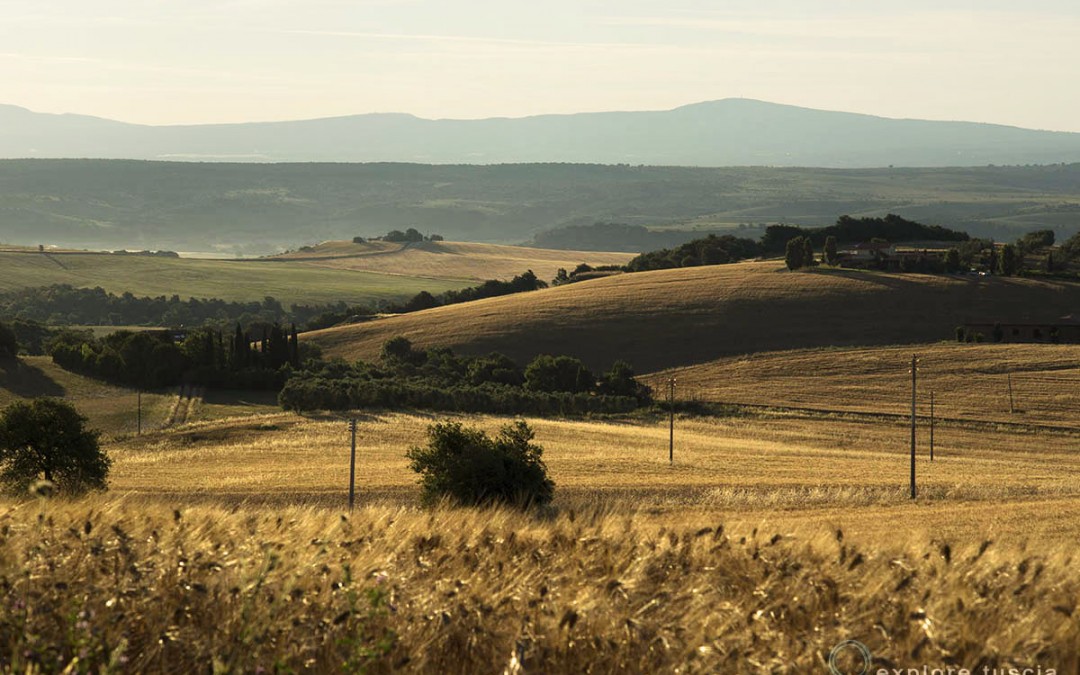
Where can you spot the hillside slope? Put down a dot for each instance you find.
(730, 132)
(448, 259)
(685, 316)
(239, 280)
(969, 381)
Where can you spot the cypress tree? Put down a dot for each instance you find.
(294, 348)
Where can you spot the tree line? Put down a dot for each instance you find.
(154, 359)
(439, 379)
(63, 304)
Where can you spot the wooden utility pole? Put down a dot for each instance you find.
(1012, 406)
(931, 426)
(671, 421)
(914, 366)
(352, 465)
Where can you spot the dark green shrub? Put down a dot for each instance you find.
(468, 467)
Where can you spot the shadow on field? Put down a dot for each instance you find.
(26, 381)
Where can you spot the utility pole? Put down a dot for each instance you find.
(931, 426)
(1012, 406)
(138, 416)
(914, 366)
(671, 425)
(352, 465)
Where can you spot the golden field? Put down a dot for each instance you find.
(776, 468)
(679, 317)
(969, 381)
(783, 527)
(449, 259)
(227, 546)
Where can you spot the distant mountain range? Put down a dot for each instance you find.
(729, 132)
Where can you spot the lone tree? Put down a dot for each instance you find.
(793, 255)
(47, 438)
(829, 255)
(808, 252)
(468, 467)
(952, 261)
(1008, 261)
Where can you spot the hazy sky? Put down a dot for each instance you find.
(192, 61)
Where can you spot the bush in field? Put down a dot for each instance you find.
(47, 438)
(468, 467)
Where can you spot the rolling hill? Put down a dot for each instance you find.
(729, 132)
(693, 315)
(263, 209)
(334, 271)
(447, 259)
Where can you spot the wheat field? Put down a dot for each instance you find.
(969, 381)
(225, 543)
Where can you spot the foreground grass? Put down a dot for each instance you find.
(130, 585)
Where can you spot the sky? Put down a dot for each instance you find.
(197, 61)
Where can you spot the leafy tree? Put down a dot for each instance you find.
(808, 252)
(468, 467)
(496, 368)
(47, 438)
(421, 301)
(561, 277)
(1008, 261)
(1033, 241)
(793, 256)
(829, 255)
(620, 381)
(399, 351)
(952, 261)
(558, 373)
(358, 240)
(9, 344)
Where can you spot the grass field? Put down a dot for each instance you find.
(114, 410)
(450, 260)
(678, 317)
(338, 271)
(226, 279)
(775, 534)
(969, 381)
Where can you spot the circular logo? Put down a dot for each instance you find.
(848, 647)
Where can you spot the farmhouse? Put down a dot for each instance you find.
(888, 257)
(1064, 330)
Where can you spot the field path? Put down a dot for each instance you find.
(187, 403)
